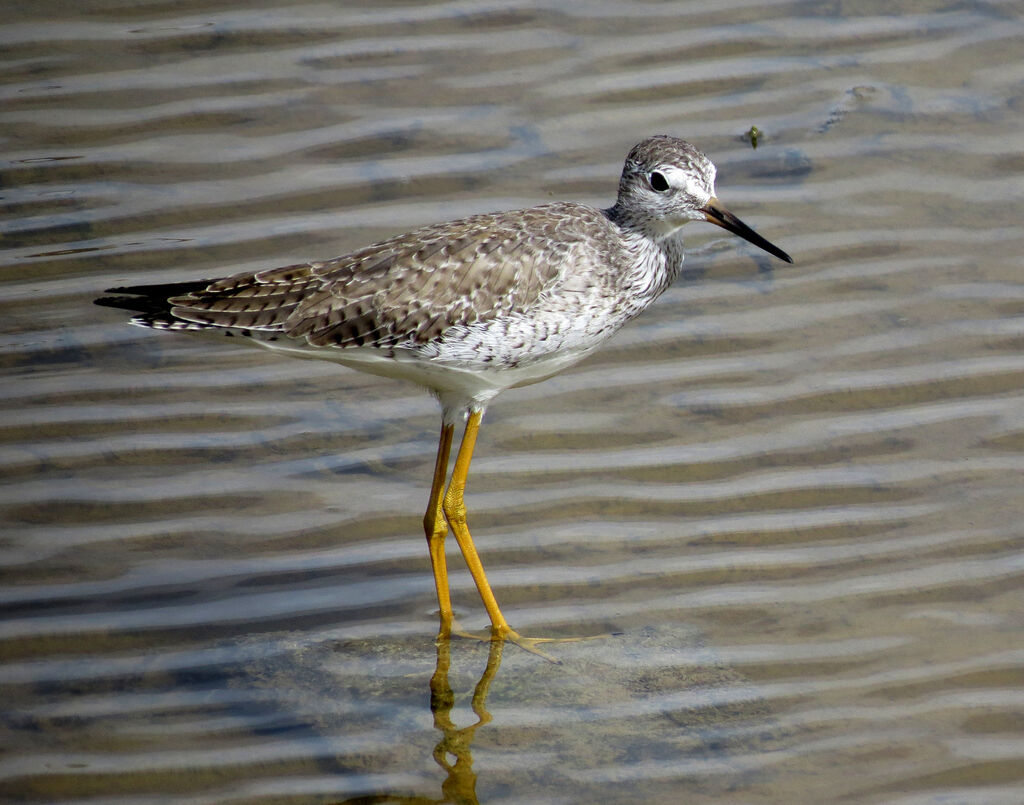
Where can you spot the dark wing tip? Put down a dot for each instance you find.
(148, 300)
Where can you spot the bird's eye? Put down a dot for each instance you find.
(658, 181)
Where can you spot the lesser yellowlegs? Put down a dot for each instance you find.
(469, 308)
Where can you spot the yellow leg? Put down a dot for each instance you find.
(453, 507)
(437, 529)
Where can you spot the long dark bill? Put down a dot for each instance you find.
(716, 213)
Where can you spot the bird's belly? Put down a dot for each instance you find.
(539, 342)
(475, 361)
(460, 372)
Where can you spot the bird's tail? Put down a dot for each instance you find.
(149, 303)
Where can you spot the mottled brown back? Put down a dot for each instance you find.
(410, 288)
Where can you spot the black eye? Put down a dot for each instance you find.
(658, 181)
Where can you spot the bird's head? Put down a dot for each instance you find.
(667, 182)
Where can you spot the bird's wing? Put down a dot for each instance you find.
(409, 288)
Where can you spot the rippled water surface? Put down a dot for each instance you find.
(792, 492)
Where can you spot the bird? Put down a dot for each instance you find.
(468, 309)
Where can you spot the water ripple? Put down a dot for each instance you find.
(790, 494)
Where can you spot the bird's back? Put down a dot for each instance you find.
(407, 291)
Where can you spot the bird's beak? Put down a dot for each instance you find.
(716, 213)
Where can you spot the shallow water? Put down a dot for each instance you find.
(792, 492)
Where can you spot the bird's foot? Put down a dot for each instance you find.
(509, 635)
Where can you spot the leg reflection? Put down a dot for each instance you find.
(452, 752)
(460, 785)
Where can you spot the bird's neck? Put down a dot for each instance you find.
(655, 229)
(654, 263)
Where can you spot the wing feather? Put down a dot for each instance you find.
(411, 288)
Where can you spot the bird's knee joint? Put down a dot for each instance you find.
(435, 529)
(455, 511)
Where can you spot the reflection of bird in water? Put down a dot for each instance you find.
(469, 308)
(459, 787)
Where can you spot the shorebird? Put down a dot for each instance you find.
(469, 308)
